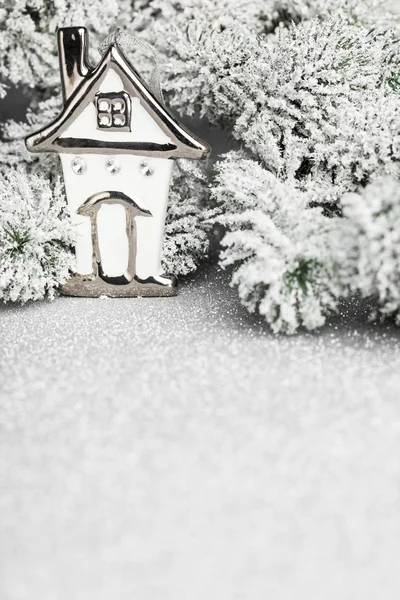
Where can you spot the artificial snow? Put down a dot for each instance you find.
(165, 449)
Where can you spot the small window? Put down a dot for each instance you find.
(113, 111)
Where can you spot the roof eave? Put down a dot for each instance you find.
(78, 146)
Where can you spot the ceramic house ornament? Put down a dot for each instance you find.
(117, 142)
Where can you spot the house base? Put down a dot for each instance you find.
(94, 287)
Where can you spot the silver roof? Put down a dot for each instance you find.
(183, 144)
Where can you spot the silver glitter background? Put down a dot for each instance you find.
(174, 449)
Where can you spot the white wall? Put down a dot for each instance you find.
(150, 192)
(143, 126)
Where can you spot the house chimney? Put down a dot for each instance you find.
(73, 57)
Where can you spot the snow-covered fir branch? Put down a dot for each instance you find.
(186, 242)
(27, 29)
(367, 13)
(280, 250)
(12, 147)
(36, 237)
(369, 242)
(317, 110)
(317, 106)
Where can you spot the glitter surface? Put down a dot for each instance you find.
(174, 449)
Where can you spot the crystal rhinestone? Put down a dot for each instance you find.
(113, 166)
(146, 169)
(78, 165)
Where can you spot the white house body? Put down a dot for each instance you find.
(125, 173)
(116, 142)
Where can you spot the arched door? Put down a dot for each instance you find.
(91, 208)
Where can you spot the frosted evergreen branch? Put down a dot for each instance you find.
(36, 238)
(369, 241)
(281, 250)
